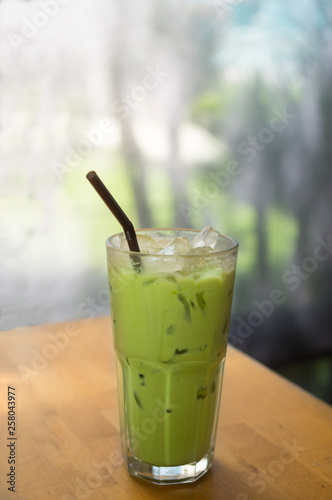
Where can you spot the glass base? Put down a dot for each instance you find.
(167, 474)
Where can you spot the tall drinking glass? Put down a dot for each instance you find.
(170, 316)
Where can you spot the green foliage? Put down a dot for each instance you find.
(211, 108)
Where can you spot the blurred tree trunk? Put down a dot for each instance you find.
(177, 172)
(136, 173)
(262, 250)
(122, 74)
(185, 33)
(326, 150)
(314, 204)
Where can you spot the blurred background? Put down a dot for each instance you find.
(194, 113)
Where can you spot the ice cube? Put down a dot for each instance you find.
(200, 250)
(123, 242)
(147, 244)
(169, 250)
(208, 237)
(163, 264)
(178, 246)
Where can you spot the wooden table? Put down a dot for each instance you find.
(274, 440)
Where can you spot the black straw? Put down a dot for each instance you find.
(116, 210)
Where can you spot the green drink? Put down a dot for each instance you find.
(171, 316)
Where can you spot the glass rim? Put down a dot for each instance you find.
(226, 251)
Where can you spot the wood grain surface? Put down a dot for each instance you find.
(274, 440)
